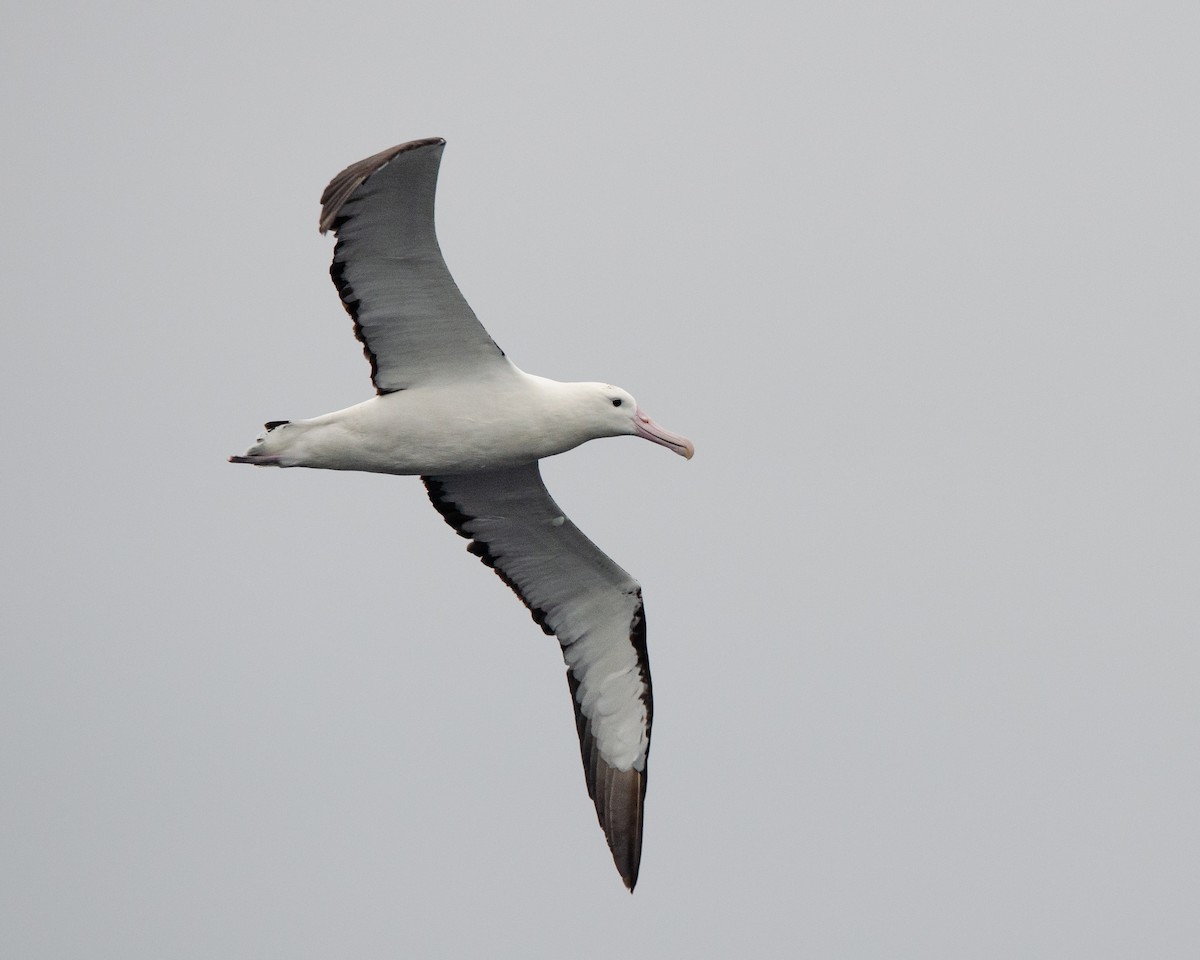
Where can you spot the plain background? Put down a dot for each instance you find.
(919, 280)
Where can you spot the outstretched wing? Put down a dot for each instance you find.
(414, 325)
(594, 607)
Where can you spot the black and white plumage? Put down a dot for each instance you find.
(451, 408)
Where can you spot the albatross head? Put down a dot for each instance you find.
(620, 413)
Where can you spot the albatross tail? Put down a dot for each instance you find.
(259, 454)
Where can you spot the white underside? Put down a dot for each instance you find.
(440, 428)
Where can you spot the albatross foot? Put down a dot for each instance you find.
(259, 460)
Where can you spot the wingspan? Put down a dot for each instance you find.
(575, 592)
(414, 325)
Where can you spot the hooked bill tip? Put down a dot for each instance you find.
(644, 427)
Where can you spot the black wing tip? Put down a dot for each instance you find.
(618, 795)
(345, 183)
(620, 814)
(629, 864)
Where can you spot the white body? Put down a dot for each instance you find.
(452, 427)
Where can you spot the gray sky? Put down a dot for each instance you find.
(919, 280)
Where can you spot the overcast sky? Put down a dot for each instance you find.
(920, 281)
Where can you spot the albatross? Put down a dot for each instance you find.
(451, 408)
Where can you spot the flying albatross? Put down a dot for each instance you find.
(451, 408)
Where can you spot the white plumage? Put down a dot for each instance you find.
(451, 408)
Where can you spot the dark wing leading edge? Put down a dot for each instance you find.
(413, 323)
(594, 607)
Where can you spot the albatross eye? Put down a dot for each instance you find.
(616, 401)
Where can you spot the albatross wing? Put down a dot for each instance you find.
(578, 594)
(414, 325)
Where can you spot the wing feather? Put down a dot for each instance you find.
(594, 608)
(408, 313)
